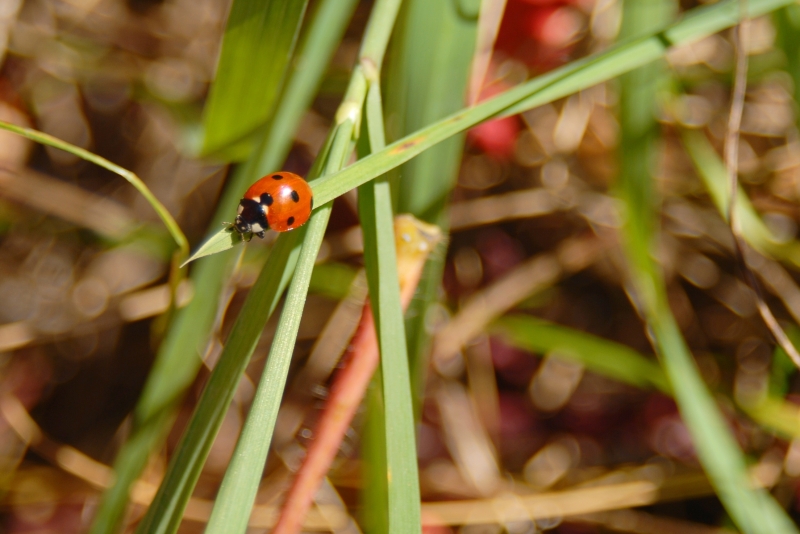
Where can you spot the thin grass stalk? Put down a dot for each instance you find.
(380, 261)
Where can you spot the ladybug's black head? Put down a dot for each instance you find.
(251, 217)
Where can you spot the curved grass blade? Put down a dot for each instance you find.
(238, 489)
(164, 214)
(712, 171)
(256, 50)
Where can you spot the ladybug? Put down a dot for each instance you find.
(280, 201)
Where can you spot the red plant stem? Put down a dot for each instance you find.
(346, 394)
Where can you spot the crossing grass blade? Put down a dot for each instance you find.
(624, 57)
(237, 492)
(166, 510)
(256, 50)
(426, 79)
(240, 483)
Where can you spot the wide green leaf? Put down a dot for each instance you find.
(256, 50)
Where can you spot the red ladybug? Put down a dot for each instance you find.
(280, 201)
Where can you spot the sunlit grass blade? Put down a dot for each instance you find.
(380, 264)
(176, 366)
(753, 510)
(577, 75)
(598, 355)
(184, 469)
(256, 49)
(238, 489)
(166, 510)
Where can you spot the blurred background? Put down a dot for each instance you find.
(84, 263)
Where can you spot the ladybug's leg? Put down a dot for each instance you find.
(260, 234)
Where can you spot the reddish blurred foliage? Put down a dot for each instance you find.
(498, 137)
(499, 253)
(540, 33)
(512, 365)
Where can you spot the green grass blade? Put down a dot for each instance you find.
(753, 510)
(380, 263)
(566, 80)
(598, 355)
(787, 24)
(237, 493)
(327, 23)
(166, 510)
(427, 76)
(239, 486)
(256, 50)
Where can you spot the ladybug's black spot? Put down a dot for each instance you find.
(295, 196)
(290, 221)
(266, 199)
(277, 177)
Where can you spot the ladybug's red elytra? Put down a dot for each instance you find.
(280, 201)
